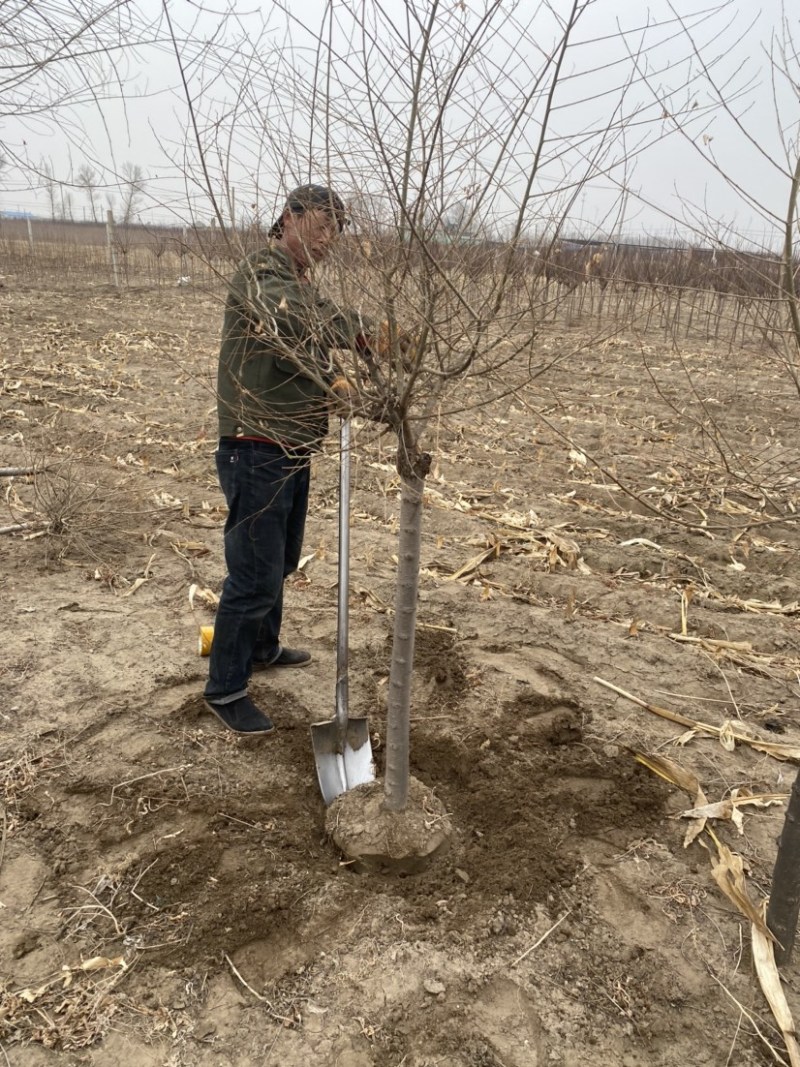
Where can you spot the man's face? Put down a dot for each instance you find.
(309, 235)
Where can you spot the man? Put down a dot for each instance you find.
(277, 384)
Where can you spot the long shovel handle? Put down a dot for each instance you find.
(342, 622)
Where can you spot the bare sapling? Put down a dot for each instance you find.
(440, 130)
(742, 278)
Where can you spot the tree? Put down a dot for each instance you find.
(66, 205)
(442, 119)
(50, 186)
(759, 271)
(776, 141)
(460, 107)
(88, 180)
(58, 63)
(132, 191)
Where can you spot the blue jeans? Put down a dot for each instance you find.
(267, 496)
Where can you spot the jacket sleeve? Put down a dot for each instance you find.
(342, 327)
(295, 322)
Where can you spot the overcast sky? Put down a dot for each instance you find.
(670, 118)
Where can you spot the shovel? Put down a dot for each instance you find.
(342, 748)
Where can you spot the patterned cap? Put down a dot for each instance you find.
(313, 197)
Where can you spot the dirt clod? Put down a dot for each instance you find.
(387, 842)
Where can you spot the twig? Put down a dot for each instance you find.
(735, 1039)
(141, 778)
(164, 944)
(285, 1019)
(543, 938)
(3, 840)
(35, 896)
(275, 1042)
(778, 1058)
(242, 822)
(135, 884)
(97, 906)
(16, 527)
(245, 984)
(431, 718)
(439, 629)
(673, 716)
(776, 749)
(734, 646)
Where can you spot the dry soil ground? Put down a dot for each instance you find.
(568, 925)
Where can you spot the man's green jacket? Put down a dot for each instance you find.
(276, 363)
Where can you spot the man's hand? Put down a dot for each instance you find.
(381, 344)
(345, 396)
(377, 348)
(347, 401)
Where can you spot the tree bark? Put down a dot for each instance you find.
(402, 665)
(784, 901)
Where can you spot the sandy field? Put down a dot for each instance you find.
(168, 894)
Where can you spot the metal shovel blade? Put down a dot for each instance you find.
(342, 748)
(341, 766)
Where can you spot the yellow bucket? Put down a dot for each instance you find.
(204, 640)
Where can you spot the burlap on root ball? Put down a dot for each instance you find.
(390, 842)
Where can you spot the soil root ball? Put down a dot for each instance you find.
(389, 842)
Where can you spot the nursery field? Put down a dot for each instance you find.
(168, 895)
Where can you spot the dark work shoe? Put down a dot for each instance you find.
(288, 657)
(242, 717)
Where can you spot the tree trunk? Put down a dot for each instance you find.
(784, 901)
(405, 618)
